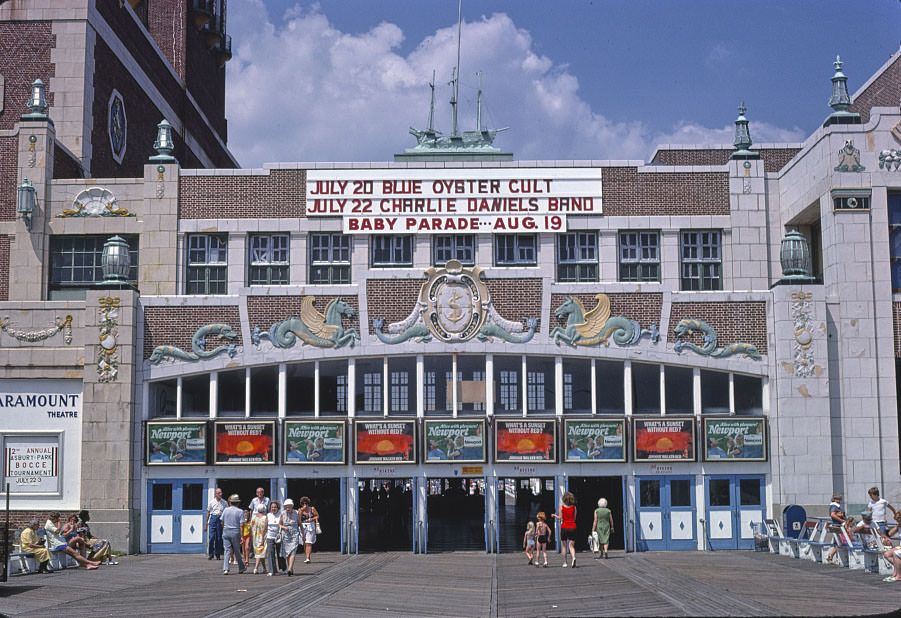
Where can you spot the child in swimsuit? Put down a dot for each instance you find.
(528, 541)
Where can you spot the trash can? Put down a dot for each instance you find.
(761, 539)
(793, 518)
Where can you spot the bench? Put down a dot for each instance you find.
(885, 567)
(821, 542)
(798, 547)
(807, 540)
(837, 537)
(866, 552)
(777, 541)
(21, 562)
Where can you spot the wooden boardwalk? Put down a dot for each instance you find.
(464, 584)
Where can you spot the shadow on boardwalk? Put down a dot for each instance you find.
(460, 584)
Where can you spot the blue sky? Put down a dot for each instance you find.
(574, 79)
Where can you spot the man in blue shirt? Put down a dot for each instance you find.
(232, 518)
(434, 451)
(714, 451)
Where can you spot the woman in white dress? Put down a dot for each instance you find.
(309, 519)
(288, 524)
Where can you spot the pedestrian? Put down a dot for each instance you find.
(213, 523)
(288, 525)
(567, 517)
(528, 541)
(309, 519)
(232, 520)
(544, 536)
(877, 506)
(893, 554)
(272, 538)
(258, 527)
(31, 544)
(246, 539)
(836, 519)
(603, 525)
(259, 499)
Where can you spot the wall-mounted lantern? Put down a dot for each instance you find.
(26, 199)
(115, 260)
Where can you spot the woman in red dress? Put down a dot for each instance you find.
(567, 517)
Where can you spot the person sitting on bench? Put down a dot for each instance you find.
(55, 542)
(34, 546)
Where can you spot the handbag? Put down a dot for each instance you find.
(318, 528)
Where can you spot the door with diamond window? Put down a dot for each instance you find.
(175, 520)
(734, 504)
(666, 513)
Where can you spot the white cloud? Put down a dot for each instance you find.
(301, 90)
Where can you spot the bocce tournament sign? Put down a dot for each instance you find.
(245, 443)
(595, 440)
(176, 443)
(735, 439)
(531, 441)
(455, 441)
(31, 463)
(439, 201)
(314, 442)
(664, 439)
(379, 442)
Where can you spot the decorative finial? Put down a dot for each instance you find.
(37, 102)
(163, 144)
(742, 140)
(841, 100)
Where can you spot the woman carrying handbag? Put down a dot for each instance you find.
(309, 521)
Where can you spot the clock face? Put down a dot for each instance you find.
(118, 126)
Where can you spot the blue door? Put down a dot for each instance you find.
(666, 513)
(735, 502)
(175, 520)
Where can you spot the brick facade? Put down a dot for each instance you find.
(645, 308)
(4, 267)
(142, 115)
(391, 299)
(166, 22)
(734, 322)
(774, 159)
(176, 325)
(9, 161)
(885, 91)
(628, 193)
(280, 194)
(25, 56)
(65, 165)
(516, 299)
(264, 311)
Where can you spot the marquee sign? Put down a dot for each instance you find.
(439, 201)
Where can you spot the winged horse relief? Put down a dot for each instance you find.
(314, 328)
(596, 326)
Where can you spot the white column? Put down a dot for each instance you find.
(282, 390)
(662, 390)
(489, 386)
(385, 386)
(558, 385)
(420, 386)
(627, 387)
(731, 393)
(214, 392)
(696, 390)
(594, 387)
(766, 396)
(178, 395)
(247, 392)
(525, 386)
(316, 407)
(454, 383)
(351, 387)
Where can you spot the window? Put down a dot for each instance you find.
(392, 251)
(577, 257)
(701, 260)
(460, 248)
(515, 250)
(894, 227)
(639, 256)
(75, 264)
(207, 264)
(329, 258)
(268, 259)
